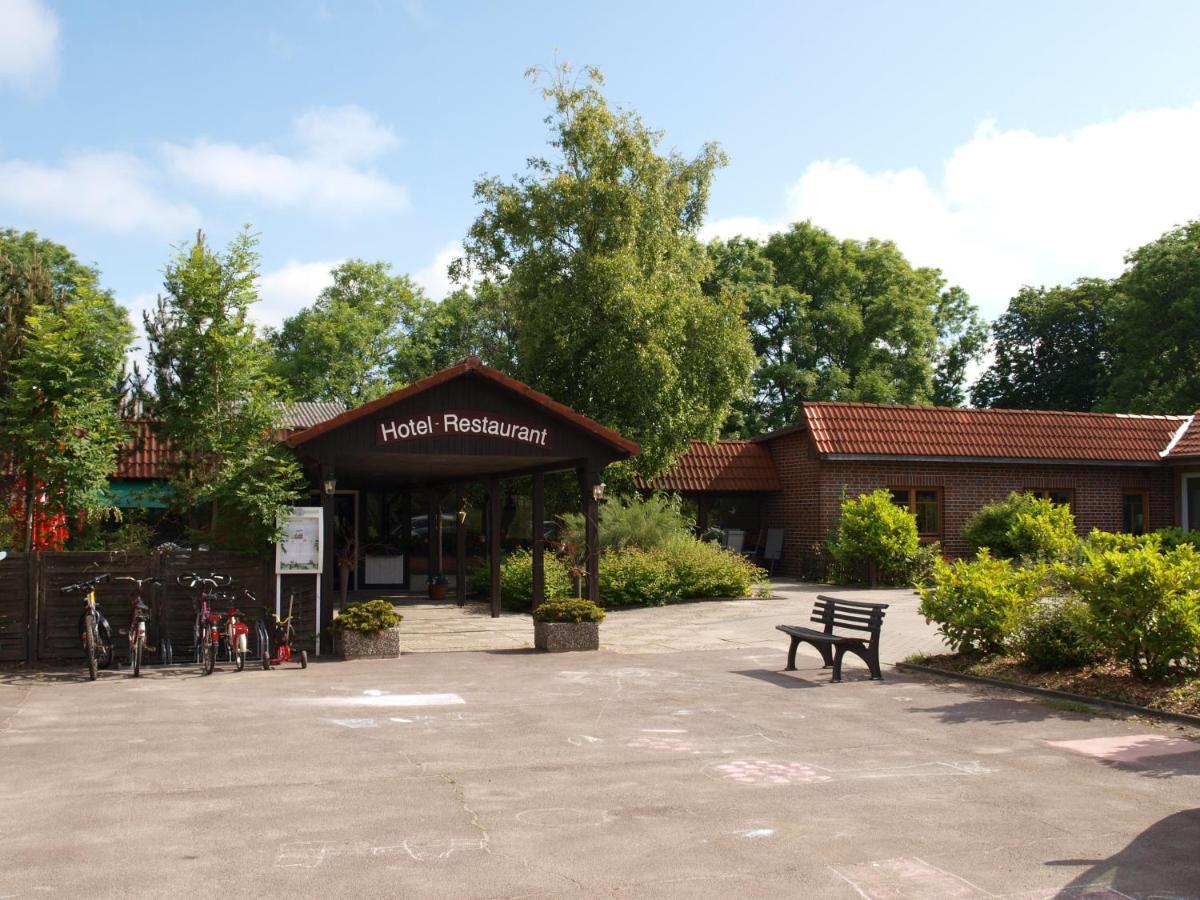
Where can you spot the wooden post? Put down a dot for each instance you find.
(327, 570)
(539, 540)
(406, 536)
(32, 609)
(591, 518)
(493, 491)
(435, 535)
(460, 551)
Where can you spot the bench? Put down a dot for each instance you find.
(847, 615)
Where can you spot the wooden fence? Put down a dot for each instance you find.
(40, 623)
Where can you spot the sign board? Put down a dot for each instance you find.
(301, 542)
(461, 424)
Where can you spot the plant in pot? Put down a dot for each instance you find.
(368, 629)
(567, 624)
(438, 586)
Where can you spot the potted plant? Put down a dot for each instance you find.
(438, 586)
(368, 629)
(567, 624)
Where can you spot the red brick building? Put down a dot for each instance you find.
(1118, 472)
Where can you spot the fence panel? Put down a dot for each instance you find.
(58, 613)
(251, 573)
(15, 609)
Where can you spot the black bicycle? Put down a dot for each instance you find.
(138, 619)
(94, 629)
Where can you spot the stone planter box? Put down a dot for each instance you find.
(381, 645)
(559, 636)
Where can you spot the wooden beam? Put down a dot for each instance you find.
(460, 551)
(493, 492)
(539, 540)
(591, 518)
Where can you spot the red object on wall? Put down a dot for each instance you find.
(50, 530)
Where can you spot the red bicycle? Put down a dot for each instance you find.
(207, 630)
(277, 639)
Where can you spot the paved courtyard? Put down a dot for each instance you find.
(508, 773)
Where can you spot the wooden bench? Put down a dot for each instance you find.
(847, 615)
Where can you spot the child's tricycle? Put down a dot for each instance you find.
(277, 639)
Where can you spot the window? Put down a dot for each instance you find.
(926, 505)
(1061, 496)
(1135, 509)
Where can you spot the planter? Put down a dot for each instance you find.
(556, 637)
(379, 645)
(437, 592)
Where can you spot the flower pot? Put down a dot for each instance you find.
(377, 645)
(437, 592)
(556, 637)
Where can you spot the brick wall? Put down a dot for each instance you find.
(813, 490)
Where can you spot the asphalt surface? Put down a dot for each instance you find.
(509, 774)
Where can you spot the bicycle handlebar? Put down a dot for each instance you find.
(85, 585)
(138, 581)
(212, 580)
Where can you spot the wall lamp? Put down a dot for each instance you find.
(598, 489)
(330, 481)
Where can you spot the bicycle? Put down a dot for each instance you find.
(93, 626)
(207, 628)
(277, 639)
(234, 631)
(139, 615)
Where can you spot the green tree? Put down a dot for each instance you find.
(1051, 349)
(65, 273)
(356, 341)
(843, 320)
(595, 251)
(1156, 356)
(473, 321)
(217, 405)
(62, 351)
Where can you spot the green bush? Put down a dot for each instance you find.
(115, 529)
(516, 579)
(1170, 538)
(980, 604)
(568, 609)
(680, 569)
(1023, 526)
(366, 616)
(873, 531)
(644, 524)
(1058, 635)
(1145, 603)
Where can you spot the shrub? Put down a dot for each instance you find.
(874, 531)
(1175, 537)
(680, 569)
(644, 524)
(367, 617)
(1145, 603)
(980, 604)
(1023, 525)
(1058, 635)
(516, 579)
(568, 609)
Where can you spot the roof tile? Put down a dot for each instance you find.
(722, 467)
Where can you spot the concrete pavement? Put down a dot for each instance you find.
(700, 773)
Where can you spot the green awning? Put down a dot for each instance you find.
(129, 493)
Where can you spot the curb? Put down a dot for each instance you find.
(1111, 705)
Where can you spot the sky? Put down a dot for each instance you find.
(1004, 143)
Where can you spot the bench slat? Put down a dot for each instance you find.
(859, 603)
(860, 615)
(853, 626)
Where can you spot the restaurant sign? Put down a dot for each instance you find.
(460, 424)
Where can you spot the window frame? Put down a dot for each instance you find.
(1043, 493)
(1145, 495)
(912, 490)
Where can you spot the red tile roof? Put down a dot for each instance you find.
(880, 430)
(1186, 440)
(723, 467)
(144, 455)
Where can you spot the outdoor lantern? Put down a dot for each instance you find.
(462, 512)
(330, 482)
(598, 490)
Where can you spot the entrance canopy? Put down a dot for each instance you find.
(468, 423)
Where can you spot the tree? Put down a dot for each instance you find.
(843, 320)
(62, 351)
(475, 321)
(1156, 356)
(356, 341)
(1051, 349)
(596, 255)
(217, 405)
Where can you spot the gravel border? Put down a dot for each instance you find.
(1111, 705)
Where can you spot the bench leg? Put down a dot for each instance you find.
(837, 663)
(869, 655)
(872, 659)
(791, 665)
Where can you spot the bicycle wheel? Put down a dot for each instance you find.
(210, 659)
(240, 660)
(137, 656)
(304, 659)
(89, 638)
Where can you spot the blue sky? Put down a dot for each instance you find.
(1005, 143)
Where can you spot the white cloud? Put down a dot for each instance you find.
(284, 291)
(434, 278)
(344, 133)
(738, 226)
(1012, 207)
(28, 45)
(112, 191)
(327, 176)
